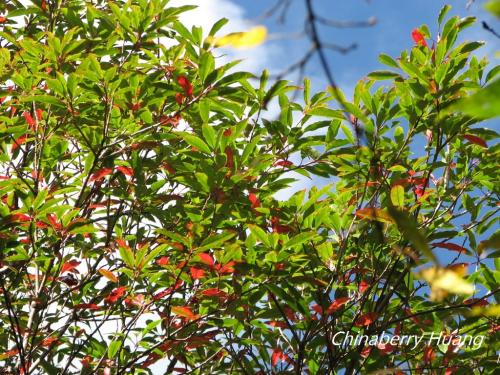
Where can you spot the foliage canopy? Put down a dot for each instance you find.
(139, 222)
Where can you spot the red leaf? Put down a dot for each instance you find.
(337, 305)
(53, 221)
(163, 261)
(476, 140)
(318, 309)
(196, 273)
(30, 121)
(168, 168)
(18, 142)
(100, 174)
(3, 19)
(69, 266)
(186, 85)
(207, 259)
(137, 300)
(115, 295)
(450, 246)
(385, 348)
(127, 171)
(366, 319)
(429, 354)
(366, 352)
(226, 268)
(450, 370)
(277, 356)
(363, 285)
(214, 292)
(20, 217)
(179, 98)
(135, 106)
(254, 200)
(418, 38)
(48, 341)
(9, 353)
(170, 120)
(43, 5)
(283, 163)
(277, 227)
(86, 306)
(122, 243)
(168, 291)
(230, 157)
(476, 302)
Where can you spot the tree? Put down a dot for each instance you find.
(139, 222)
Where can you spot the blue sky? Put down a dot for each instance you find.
(390, 35)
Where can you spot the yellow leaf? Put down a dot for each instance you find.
(251, 38)
(108, 275)
(491, 311)
(376, 214)
(443, 281)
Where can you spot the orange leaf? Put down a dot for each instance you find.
(366, 319)
(337, 305)
(226, 268)
(100, 174)
(8, 354)
(127, 171)
(163, 261)
(18, 142)
(115, 295)
(196, 273)
(69, 266)
(429, 354)
(207, 259)
(49, 340)
(185, 312)
(108, 275)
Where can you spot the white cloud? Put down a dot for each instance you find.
(210, 11)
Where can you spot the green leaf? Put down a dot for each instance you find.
(259, 233)
(398, 196)
(442, 13)
(408, 228)
(113, 348)
(209, 135)
(215, 241)
(383, 74)
(195, 142)
(299, 239)
(127, 256)
(483, 104)
(388, 60)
